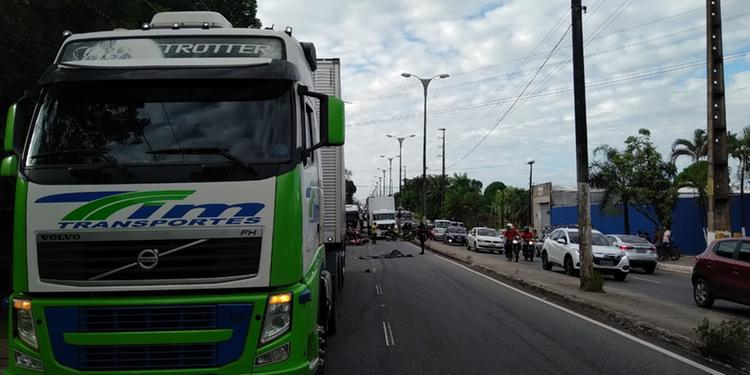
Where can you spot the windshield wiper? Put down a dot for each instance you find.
(204, 151)
(94, 151)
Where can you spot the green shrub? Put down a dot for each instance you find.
(730, 340)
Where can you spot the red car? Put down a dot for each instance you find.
(723, 272)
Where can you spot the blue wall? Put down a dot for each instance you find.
(687, 226)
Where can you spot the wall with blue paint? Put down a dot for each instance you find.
(687, 227)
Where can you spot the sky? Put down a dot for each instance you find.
(503, 105)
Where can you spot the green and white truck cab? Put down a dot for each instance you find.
(168, 204)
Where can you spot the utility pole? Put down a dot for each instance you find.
(718, 168)
(582, 151)
(442, 181)
(531, 193)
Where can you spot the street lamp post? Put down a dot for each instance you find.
(530, 162)
(383, 170)
(425, 84)
(400, 162)
(390, 173)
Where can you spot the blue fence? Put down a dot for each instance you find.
(687, 224)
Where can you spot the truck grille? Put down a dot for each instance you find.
(142, 357)
(89, 262)
(163, 318)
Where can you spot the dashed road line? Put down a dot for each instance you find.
(646, 280)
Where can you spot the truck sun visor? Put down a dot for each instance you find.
(158, 48)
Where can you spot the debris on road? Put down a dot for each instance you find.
(395, 253)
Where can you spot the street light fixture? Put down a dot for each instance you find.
(400, 146)
(425, 84)
(530, 162)
(390, 173)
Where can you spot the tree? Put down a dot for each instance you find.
(739, 148)
(696, 149)
(636, 177)
(696, 176)
(512, 204)
(463, 200)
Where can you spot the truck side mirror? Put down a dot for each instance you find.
(17, 125)
(331, 118)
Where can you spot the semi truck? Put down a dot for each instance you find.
(170, 199)
(381, 211)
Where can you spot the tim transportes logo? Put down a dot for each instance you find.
(100, 205)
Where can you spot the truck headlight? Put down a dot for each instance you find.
(24, 324)
(278, 318)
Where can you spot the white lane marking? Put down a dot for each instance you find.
(385, 334)
(378, 290)
(390, 334)
(594, 322)
(646, 280)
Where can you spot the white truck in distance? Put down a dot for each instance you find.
(381, 211)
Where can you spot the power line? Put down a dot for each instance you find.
(353, 96)
(507, 111)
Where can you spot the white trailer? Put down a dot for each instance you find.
(327, 80)
(381, 211)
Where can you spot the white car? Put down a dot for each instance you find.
(641, 253)
(485, 239)
(561, 249)
(438, 232)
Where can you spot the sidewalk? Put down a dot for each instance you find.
(636, 313)
(684, 265)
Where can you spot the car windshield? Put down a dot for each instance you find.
(458, 230)
(154, 122)
(384, 216)
(634, 239)
(597, 239)
(487, 233)
(442, 224)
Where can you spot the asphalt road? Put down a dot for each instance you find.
(425, 315)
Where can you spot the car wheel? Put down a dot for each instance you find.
(546, 265)
(568, 265)
(702, 293)
(620, 276)
(649, 269)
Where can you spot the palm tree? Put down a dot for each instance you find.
(696, 176)
(696, 149)
(607, 173)
(739, 148)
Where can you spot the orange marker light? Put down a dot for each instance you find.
(280, 298)
(22, 304)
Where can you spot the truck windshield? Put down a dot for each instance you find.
(155, 122)
(384, 216)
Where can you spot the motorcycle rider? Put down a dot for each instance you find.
(527, 235)
(510, 233)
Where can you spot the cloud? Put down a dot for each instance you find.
(638, 67)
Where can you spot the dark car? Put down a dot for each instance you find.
(455, 235)
(723, 272)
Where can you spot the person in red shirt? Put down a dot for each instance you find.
(510, 233)
(527, 234)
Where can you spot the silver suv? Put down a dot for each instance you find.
(561, 249)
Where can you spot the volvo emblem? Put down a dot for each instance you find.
(148, 258)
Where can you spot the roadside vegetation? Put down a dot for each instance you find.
(728, 341)
(637, 176)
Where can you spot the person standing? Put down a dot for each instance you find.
(374, 233)
(422, 233)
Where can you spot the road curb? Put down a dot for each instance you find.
(674, 268)
(630, 323)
